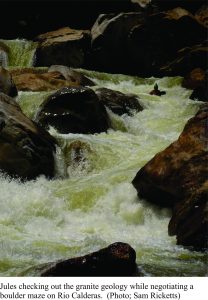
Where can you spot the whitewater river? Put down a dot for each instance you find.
(92, 203)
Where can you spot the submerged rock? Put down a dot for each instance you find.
(76, 154)
(177, 177)
(7, 85)
(74, 110)
(118, 102)
(26, 150)
(118, 259)
(64, 46)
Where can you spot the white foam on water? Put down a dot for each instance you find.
(21, 52)
(92, 202)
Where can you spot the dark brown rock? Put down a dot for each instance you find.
(177, 177)
(156, 41)
(74, 110)
(196, 80)
(7, 85)
(109, 36)
(141, 43)
(186, 60)
(118, 102)
(200, 93)
(160, 179)
(117, 259)
(190, 5)
(64, 46)
(190, 217)
(26, 150)
(202, 15)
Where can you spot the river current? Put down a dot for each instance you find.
(92, 203)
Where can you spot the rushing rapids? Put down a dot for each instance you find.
(21, 53)
(92, 203)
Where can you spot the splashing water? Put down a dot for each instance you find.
(21, 53)
(3, 59)
(92, 202)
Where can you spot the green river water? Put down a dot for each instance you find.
(92, 204)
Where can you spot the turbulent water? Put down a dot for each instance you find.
(92, 203)
(21, 53)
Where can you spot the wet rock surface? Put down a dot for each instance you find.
(71, 75)
(26, 150)
(118, 259)
(74, 110)
(177, 177)
(163, 174)
(118, 102)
